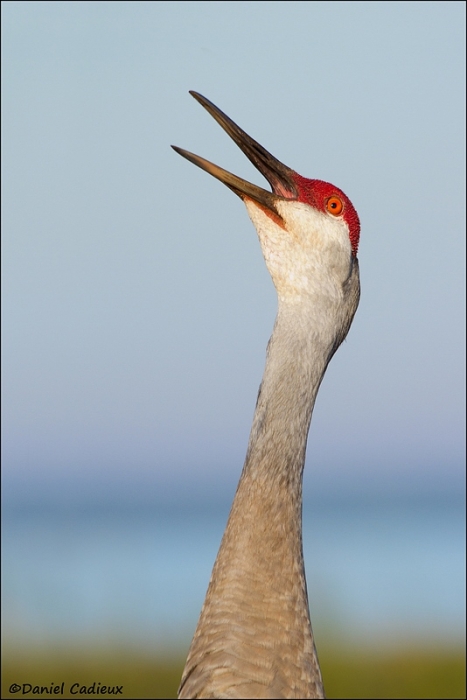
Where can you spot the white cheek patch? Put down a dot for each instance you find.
(311, 245)
(316, 229)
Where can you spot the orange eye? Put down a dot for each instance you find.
(334, 206)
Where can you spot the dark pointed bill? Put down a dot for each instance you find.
(279, 176)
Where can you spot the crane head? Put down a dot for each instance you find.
(303, 224)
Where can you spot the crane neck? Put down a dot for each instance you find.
(254, 629)
(257, 598)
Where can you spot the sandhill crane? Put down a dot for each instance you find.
(254, 637)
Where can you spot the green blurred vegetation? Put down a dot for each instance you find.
(406, 673)
(410, 673)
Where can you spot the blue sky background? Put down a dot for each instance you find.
(136, 303)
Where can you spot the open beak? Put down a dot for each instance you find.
(279, 176)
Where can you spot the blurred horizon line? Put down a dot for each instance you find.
(115, 491)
